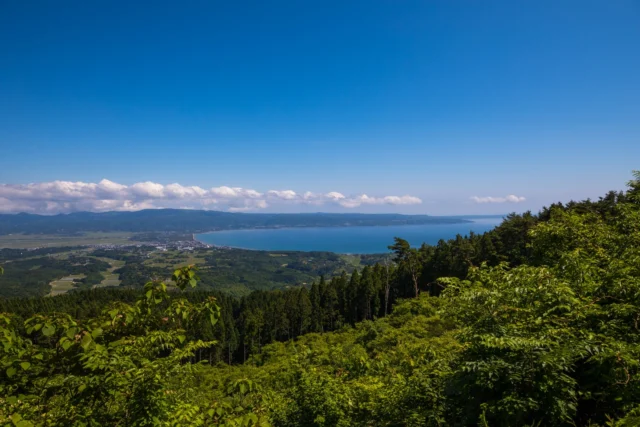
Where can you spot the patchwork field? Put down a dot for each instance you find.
(173, 259)
(64, 285)
(50, 270)
(26, 241)
(111, 278)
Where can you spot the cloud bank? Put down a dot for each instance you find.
(507, 199)
(65, 196)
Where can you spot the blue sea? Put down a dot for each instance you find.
(349, 240)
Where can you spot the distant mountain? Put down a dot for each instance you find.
(196, 221)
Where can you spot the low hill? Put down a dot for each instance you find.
(197, 221)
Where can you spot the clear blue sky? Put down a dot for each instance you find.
(441, 100)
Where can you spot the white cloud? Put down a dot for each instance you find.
(224, 192)
(148, 189)
(388, 200)
(111, 187)
(403, 200)
(282, 194)
(67, 196)
(235, 192)
(507, 199)
(7, 205)
(180, 192)
(334, 195)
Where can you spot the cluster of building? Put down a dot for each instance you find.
(180, 245)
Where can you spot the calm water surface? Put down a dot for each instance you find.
(354, 240)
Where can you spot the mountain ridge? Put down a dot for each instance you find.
(198, 221)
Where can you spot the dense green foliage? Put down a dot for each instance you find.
(127, 366)
(249, 322)
(194, 221)
(554, 340)
(535, 323)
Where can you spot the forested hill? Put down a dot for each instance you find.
(196, 221)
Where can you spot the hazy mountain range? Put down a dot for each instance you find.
(196, 221)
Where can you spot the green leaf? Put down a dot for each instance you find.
(181, 338)
(48, 330)
(96, 333)
(25, 365)
(17, 421)
(86, 341)
(11, 371)
(213, 319)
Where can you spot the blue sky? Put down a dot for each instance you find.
(438, 100)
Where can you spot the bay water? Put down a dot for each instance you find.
(351, 240)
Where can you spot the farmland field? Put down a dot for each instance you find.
(111, 278)
(64, 285)
(26, 241)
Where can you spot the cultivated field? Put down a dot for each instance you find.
(173, 259)
(20, 241)
(111, 278)
(64, 285)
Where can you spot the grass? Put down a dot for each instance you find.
(110, 278)
(175, 259)
(64, 285)
(26, 241)
(354, 260)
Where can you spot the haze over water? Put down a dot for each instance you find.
(355, 240)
